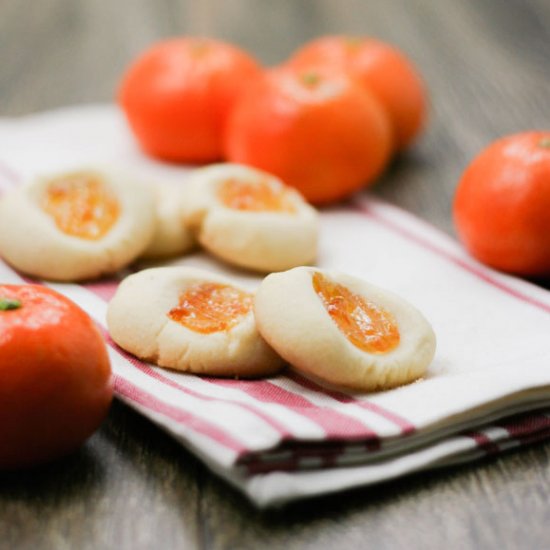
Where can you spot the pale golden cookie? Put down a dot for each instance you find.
(172, 237)
(250, 218)
(75, 225)
(190, 320)
(343, 330)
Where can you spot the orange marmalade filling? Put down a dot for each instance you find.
(81, 205)
(365, 324)
(257, 196)
(211, 307)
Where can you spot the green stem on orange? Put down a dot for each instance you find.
(353, 42)
(545, 142)
(9, 303)
(198, 47)
(311, 78)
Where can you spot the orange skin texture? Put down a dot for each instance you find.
(381, 69)
(320, 133)
(177, 95)
(502, 205)
(55, 377)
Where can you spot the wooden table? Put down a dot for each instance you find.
(487, 65)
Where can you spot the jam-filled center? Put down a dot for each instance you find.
(365, 324)
(211, 307)
(255, 196)
(81, 205)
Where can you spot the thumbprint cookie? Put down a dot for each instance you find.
(171, 237)
(190, 320)
(343, 330)
(250, 218)
(75, 225)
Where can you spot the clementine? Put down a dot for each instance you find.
(318, 132)
(382, 69)
(55, 376)
(178, 93)
(502, 205)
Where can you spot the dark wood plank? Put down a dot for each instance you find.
(129, 485)
(462, 508)
(486, 65)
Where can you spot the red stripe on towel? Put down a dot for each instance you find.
(478, 272)
(406, 426)
(138, 395)
(146, 369)
(526, 425)
(335, 424)
(484, 442)
(541, 435)
(104, 288)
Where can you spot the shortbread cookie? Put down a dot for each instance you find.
(75, 225)
(343, 330)
(172, 237)
(190, 320)
(250, 218)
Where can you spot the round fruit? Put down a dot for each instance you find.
(318, 132)
(178, 93)
(502, 205)
(55, 376)
(382, 69)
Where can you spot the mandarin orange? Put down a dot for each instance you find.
(318, 132)
(178, 93)
(382, 69)
(502, 205)
(55, 376)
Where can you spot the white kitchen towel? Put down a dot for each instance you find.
(287, 437)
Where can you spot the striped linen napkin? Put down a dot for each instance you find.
(286, 437)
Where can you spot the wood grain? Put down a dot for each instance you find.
(486, 66)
